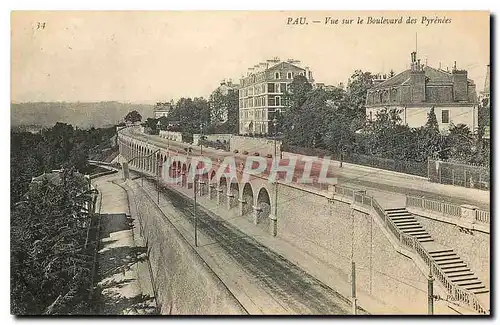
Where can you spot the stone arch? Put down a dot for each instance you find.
(263, 207)
(234, 193)
(184, 173)
(222, 188)
(247, 200)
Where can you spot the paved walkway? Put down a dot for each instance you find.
(123, 272)
(396, 185)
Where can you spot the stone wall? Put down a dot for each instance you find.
(325, 230)
(472, 246)
(212, 137)
(184, 283)
(261, 145)
(174, 136)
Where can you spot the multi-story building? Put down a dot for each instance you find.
(163, 109)
(415, 91)
(219, 110)
(261, 93)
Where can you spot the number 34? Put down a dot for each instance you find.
(40, 25)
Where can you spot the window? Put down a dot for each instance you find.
(277, 75)
(277, 100)
(289, 75)
(445, 116)
(371, 116)
(283, 87)
(270, 88)
(270, 101)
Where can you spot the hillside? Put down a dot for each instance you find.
(78, 114)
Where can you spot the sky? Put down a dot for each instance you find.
(145, 57)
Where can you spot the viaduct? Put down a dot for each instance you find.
(332, 227)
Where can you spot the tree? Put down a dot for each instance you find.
(224, 112)
(294, 98)
(133, 117)
(357, 88)
(460, 143)
(50, 266)
(431, 137)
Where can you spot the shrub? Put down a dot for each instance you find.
(236, 151)
(269, 155)
(245, 152)
(256, 154)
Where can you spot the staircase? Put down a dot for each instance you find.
(451, 264)
(408, 224)
(457, 270)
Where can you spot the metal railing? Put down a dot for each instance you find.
(447, 209)
(455, 292)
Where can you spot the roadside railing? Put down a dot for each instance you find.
(457, 293)
(447, 209)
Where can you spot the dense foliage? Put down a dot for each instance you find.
(50, 261)
(334, 120)
(61, 146)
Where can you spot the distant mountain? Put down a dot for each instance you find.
(83, 115)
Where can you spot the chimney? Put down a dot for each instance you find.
(460, 87)
(307, 73)
(417, 80)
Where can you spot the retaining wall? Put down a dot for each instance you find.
(185, 285)
(261, 145)
(324, 229)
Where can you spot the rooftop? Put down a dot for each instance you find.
(436, 76)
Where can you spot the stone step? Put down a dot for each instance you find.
(443, 254)
(459, 274)
(416, 232)
(395, 209)
(406, 223)
(400, 214)
(440, 251)
(479, 291)
(455, 269)
(446, 258)
(451, 263)
(404, 220)
(421, 236)
(470, 283)
(428, 240)
(473, 286)
(470, 278)
(411, 227)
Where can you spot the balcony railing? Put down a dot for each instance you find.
(443, 208)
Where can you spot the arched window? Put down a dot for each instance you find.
(277, 100)
(277, 75)
(289, 75)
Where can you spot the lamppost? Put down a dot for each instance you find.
(201, 138)
(195, 215)
(277, 162)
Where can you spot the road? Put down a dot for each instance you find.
(375, 181)
(287, 283)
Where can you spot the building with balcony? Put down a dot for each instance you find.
(415, 91)
(261, 93)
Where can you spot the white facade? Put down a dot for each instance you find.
(416, 117)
